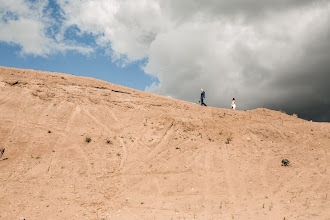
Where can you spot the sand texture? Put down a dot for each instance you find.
(151, 157)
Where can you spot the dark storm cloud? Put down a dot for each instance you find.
(307, 79)
(185, 9)
(306, 83)
(276, 56)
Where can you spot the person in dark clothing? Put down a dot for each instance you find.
(202, 97)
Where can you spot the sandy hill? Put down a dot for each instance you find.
(151, 157)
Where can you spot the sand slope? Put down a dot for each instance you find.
(151, 157)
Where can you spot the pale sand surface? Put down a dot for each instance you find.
(167, 159)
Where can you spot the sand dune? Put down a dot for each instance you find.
(151, 157)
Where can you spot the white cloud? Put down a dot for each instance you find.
(27, 33)
(128, 26)
(25, 24)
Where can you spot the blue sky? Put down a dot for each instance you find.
(272, 54)
(96, 65)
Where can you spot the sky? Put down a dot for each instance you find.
(270, 54)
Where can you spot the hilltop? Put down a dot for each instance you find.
(81, 148)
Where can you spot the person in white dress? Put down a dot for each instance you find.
(233, 104)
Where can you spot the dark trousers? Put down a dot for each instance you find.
(202, 102)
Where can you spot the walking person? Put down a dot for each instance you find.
(233, 104)
(202, 97)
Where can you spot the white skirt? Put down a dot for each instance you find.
(233, 106)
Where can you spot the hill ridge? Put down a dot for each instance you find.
(151, 156)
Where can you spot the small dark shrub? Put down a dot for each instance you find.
(285, 162)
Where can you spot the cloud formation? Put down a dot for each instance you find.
(127, 27)
(29, 25)
(273, 54)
